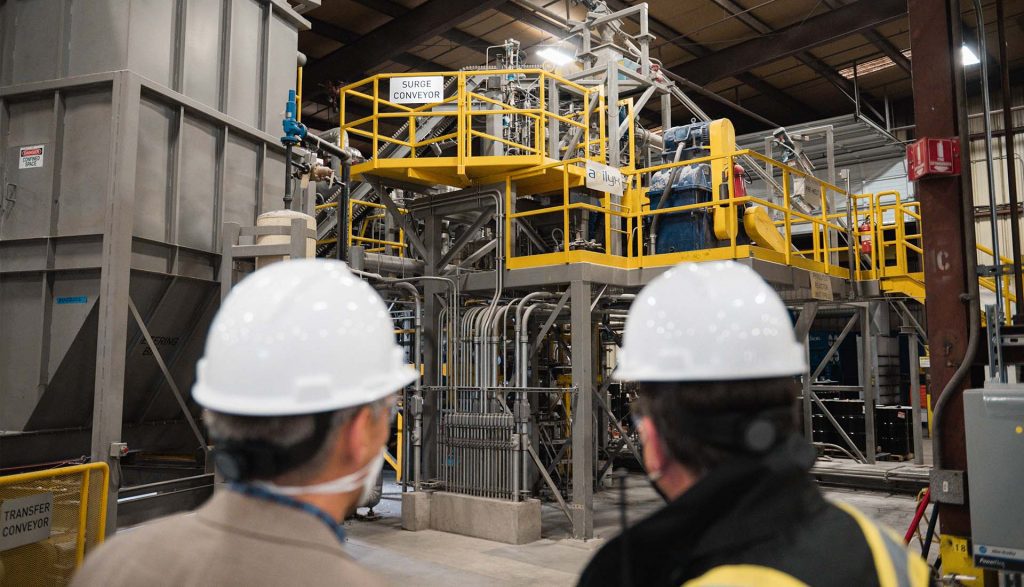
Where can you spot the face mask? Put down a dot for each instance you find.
(365, 479)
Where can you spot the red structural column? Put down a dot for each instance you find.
(932, 39)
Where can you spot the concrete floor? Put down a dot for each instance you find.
(437, 558)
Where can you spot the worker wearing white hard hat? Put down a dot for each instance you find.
(298, 379)
(713, 348)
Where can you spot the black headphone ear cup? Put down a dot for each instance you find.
(759, 435)
(232, 464)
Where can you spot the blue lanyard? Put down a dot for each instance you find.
(261, 493)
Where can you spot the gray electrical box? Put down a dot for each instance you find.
(994, 418)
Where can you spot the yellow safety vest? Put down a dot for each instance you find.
(896, 566)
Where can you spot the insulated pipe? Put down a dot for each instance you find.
(417, 389)
(478, 339)
(504, 340)
(996, 321)
(525, 339)
(499, 251)
(520, 360)
(1011, 169)
(417, 408)
(466, 332)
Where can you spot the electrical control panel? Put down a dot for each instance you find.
(994, 417)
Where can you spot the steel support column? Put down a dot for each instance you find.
(868, 386)
(915, 391)
(934, 39)
(115, 276)
(583, 418)
(803, 331)
(431, 324)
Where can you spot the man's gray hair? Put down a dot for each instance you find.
(284, 432)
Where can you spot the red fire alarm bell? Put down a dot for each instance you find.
(933, 157)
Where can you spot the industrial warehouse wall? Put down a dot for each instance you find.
(183, 161)
(980, 174)
(237, 56)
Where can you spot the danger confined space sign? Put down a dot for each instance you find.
(31, 157)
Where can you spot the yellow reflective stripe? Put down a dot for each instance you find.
(917, 570)
(887, 576)
(745, 576)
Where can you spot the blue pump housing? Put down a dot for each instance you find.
(687, 230)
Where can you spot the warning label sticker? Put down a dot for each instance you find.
(30, 157)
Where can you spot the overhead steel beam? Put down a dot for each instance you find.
(333, 32)
(691, 46)
(395, 10)
(876, 39)
(533, 19)
(420, 24)
(790, 41)
(817, 65)
(388, 7)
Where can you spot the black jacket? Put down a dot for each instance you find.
(766, 512)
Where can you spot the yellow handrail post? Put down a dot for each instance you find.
(463, 124)
(788, 216)
(540, 142)
(639, 215)
(298, 97)
(398, 447)
(565, 212)
(376, 112)
(734, 212)
(412, 136)
(83, 518)
(509, 210)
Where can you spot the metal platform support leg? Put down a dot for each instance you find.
(867, 384)
(803, 332)
(432, 306)
(583, 419)
(914, 363)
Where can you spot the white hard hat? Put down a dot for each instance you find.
(300, 337)
(708, 322)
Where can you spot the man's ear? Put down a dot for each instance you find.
(655, 455)
(352, 440)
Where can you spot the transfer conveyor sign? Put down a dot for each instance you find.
(30, 157)
(417, 90)
(25, 520)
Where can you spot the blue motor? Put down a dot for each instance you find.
(690, 184)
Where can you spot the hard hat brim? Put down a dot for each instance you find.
(330, 400)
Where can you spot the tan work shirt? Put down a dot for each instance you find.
(232, 539)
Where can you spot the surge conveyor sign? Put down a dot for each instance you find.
(417, 90)
(24, 520)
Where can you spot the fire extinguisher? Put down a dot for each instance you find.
(865, 237)
(739, 181)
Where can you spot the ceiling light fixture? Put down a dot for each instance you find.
(555, 56)
(968, 56)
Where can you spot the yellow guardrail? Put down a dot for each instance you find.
(372, 224)
(826, 234)
(464, 106)
(49, 521)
